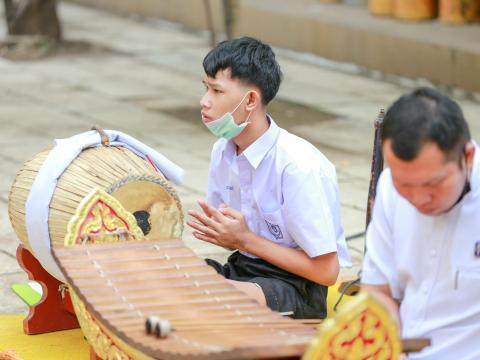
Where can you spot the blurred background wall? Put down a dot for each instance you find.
(432, 39)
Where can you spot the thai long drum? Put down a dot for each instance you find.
(134, 181)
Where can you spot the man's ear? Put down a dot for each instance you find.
(254, 100)
(469, 154)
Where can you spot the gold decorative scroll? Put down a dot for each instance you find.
(100, 218)
(106, 345)
(361, 330)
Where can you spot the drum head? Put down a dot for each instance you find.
(154, 204)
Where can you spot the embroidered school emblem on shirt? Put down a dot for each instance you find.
(275, 230)
(229, 187)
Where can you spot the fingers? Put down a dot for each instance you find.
(206, 207)
(207, 221)
(215, 226)
(221, 209)
(203, 237)
(232, 213)
(210, 211)
(211, 240)
(207, 230)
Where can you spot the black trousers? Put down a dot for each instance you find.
(283, 291)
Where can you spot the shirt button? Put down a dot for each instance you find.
(433, 252)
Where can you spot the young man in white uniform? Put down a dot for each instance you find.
(423, 243)
(271, 195)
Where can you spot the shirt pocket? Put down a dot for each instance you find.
(468, 278)
(272, 227)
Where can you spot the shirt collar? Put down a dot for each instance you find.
(229, 151)
(259, 148)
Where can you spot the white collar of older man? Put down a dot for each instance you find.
(58, 159)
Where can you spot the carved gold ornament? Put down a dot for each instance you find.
(362, 329)
(100, 218)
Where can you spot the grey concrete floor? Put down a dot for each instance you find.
(148, 71)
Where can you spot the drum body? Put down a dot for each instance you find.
(132, 180)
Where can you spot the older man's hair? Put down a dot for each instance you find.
(425, 116)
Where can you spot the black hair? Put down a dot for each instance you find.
(250, 61)
(422, 116)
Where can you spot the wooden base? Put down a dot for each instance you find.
(54, 311)
(93, 354)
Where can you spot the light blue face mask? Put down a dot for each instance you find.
(226, 126)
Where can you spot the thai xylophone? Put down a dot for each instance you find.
(123, 285)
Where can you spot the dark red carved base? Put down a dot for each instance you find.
(53, 312)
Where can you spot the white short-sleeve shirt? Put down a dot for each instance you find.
(432, 265)
(285, 188)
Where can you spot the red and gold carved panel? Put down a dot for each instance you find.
(361, 330)
(101, 218)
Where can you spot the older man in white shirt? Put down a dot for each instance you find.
(423, 243)
(271, 195)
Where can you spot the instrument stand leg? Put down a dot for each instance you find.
(93, 354)
(53, 312)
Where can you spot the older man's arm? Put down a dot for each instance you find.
(383, 295)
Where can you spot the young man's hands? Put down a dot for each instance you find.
(227, 227)
(224, 226)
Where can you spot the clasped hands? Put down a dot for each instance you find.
(225, 227)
